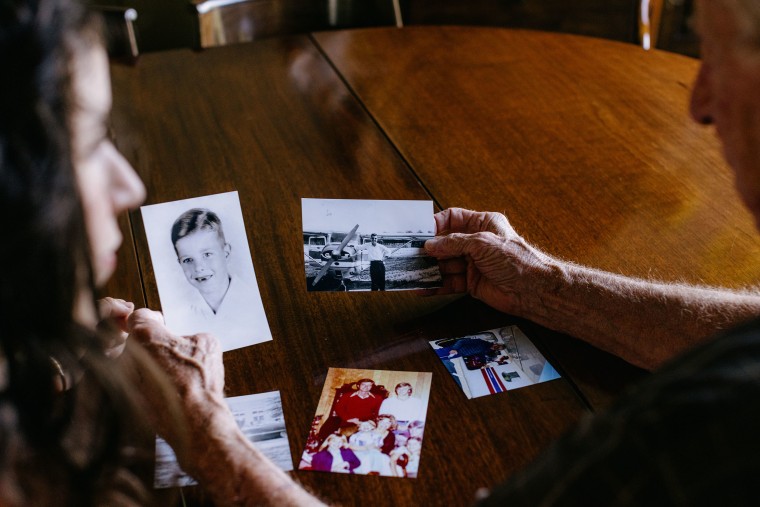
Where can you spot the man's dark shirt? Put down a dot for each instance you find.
(467, 347)
(687, 435)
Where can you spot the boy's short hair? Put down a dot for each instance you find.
(196, 219)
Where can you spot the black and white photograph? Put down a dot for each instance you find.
(369, 422)
(368, 245)
(204, 271)
(259, 416)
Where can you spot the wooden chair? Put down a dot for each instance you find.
(120, 35)
(650, 12)
(222, 22)
(674, 30)
(665, 24)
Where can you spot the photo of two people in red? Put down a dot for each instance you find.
(362, 428)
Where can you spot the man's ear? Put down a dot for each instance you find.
(227, 250)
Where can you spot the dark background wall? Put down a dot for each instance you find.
(165, 24)
(161, 24)
(612, 19)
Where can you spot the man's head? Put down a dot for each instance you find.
(202, 251)
(365, 384)
(403, 389)
(726, 92)
(373, 238)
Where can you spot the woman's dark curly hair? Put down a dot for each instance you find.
(56, 448)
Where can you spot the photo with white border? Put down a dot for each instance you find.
(493, 361)
(369, 422)
(368, 245)
(204, 270)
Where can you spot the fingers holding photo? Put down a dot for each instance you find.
(114, 313)
(191, 362)
(116, 310)
(454, 278)
(454, 220)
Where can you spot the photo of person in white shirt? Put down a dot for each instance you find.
(204, 269)
(377, 254)
(203, 254)
(357, 245)
(404, 407)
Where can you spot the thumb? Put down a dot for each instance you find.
(143, 318)
(114, 308)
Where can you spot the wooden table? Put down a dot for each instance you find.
(584, 143)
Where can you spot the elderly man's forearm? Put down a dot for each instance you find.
(643, 322)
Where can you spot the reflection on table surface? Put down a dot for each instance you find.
(584, 143)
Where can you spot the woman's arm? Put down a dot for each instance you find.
(643, 322)
(208, 443)
(232, 470)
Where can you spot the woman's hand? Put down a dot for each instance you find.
(481, 254)
(193, 366)
(193, 363)
(208, 443)
(113, 317)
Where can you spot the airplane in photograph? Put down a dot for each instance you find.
(339, 258)
(342, 260)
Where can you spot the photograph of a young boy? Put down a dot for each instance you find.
(203, 253)
(204, 269)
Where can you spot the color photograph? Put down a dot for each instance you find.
(493, 361)
(368, 245)
(204, 271)
(369, 422)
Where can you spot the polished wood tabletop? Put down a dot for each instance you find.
(585, 144)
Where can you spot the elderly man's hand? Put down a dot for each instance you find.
(481, 254)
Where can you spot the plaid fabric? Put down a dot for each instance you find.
(687, 435)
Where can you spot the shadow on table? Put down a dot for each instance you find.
(596, 376)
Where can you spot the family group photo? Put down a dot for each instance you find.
(369, 422)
